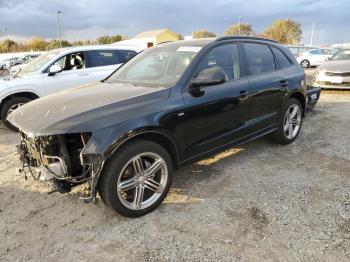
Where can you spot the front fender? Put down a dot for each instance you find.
(102, 144)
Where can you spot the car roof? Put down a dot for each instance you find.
(206, 41)
(193, 42)
(91, 47)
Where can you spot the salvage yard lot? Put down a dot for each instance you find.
(260, 201)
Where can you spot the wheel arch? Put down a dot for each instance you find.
(30, 95)
(155, 136)
(301, 98)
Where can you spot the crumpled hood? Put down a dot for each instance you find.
(90, 107)
(336, 66)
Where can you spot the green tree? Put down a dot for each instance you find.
(203, 34)
(284, 31)
(239, 29)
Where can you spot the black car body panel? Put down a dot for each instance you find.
(192, 121)
(88, 108)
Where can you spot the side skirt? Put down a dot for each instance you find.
(238, 142)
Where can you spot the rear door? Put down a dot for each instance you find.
(266, 85)
(102, 63)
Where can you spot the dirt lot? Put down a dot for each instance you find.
(259, 202)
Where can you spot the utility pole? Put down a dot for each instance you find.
(312, 33)
(239, 25)
(59, 27)
(5, 33)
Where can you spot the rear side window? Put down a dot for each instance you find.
(102, 58)
(259, 59)
(281, 58)
(125, 55)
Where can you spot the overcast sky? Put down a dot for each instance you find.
(88, 19)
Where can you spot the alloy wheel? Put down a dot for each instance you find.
(292, 121)
(142, 181)
(14, 107)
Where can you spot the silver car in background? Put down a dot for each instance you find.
(335, 73)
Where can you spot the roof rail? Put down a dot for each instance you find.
(244, 37)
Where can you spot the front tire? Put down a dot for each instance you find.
(290, 122)
(136, 179)
(9, 107)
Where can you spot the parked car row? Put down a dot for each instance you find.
(315, 57)
(170, 105)
(15, 61)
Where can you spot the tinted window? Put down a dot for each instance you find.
(327, 52)
(342, 55)
(125, 55)
(224, 57)
(281, 58)
(315, 52)
(259, 59)
(102, 58)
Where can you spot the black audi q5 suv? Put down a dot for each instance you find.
(169, 105)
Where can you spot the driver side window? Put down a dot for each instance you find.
(73, 61)
(224, 57)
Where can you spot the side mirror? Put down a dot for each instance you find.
(208, 77)
(54, 69)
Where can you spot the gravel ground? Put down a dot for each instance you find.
(258, 202)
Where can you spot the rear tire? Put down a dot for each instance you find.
(129, 185)
(290, 122)
(10, 106)
(305, 63)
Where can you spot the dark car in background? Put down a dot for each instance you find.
(170, 105)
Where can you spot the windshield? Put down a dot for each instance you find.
(38, 62)
(156, 67)
(342, 55)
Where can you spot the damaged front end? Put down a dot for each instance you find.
(59, 159)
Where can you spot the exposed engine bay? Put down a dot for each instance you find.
(57, 159)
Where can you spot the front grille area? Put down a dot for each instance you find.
(344, 84)
(337, 74)
(43, 151)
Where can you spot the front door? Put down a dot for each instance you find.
(217, 114)
(74, 73)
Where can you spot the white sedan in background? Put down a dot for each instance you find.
(58, 70)
(315, 57)
(335, 73)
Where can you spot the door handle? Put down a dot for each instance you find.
(284, 83)
(83, 74)
(243, 94)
